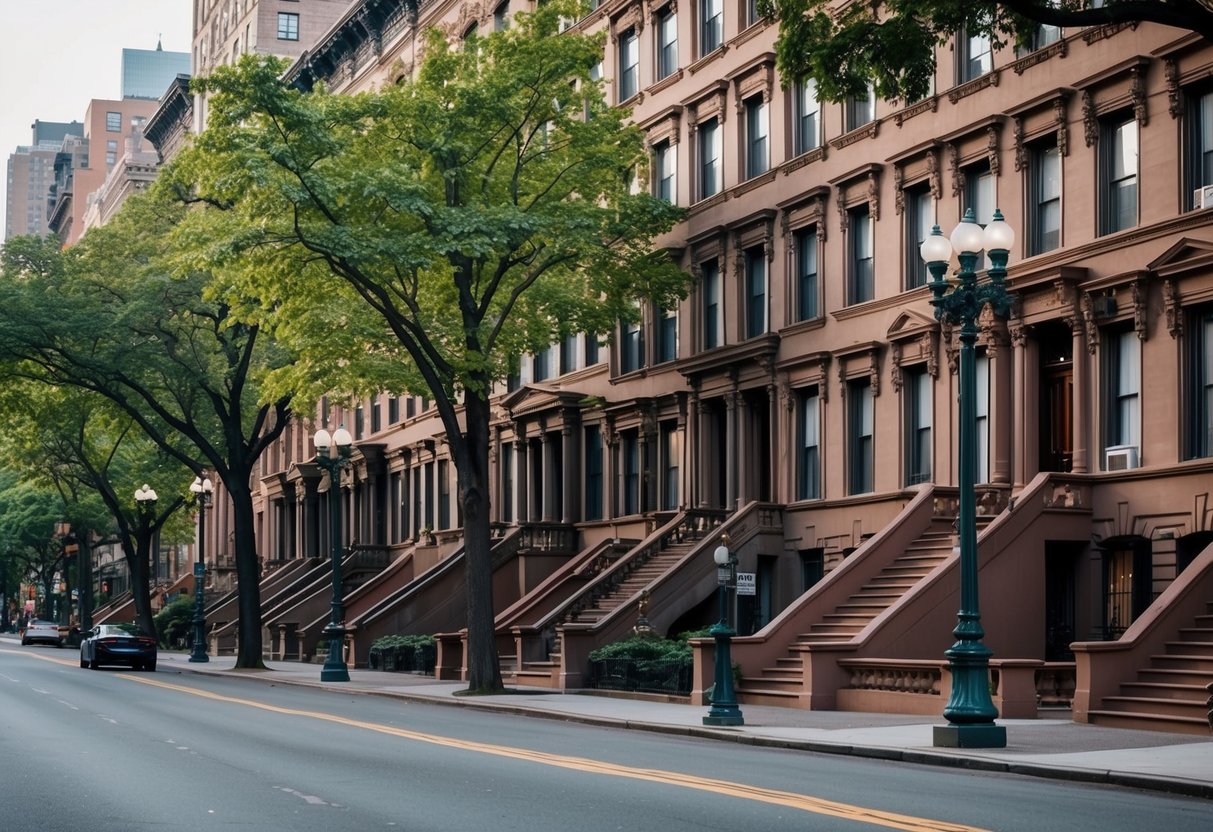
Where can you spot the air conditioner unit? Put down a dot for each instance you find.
(1202, 197)
(1120, 458)
(1103, 306)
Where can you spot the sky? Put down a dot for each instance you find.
(57, 56)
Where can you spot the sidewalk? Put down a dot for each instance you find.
(1056, 748)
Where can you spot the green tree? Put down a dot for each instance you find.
(420, 238)
(28, 515)
(138, 325)
(891, 44)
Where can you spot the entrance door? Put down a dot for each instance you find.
(1057, 400)
(1061, 564)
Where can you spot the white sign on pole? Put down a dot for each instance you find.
(746, 584)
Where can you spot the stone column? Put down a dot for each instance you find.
(1082, 396)
(570, 435)
(730, 434)
(1002, 412)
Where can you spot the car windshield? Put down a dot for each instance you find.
(117, 630)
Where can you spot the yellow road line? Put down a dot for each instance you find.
(775, 797)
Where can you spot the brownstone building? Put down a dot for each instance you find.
(802, 399)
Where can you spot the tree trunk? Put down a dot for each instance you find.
(140, 595)
(472, 462)
(248, 572)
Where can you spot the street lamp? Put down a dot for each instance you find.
(724, 710)
(332, 453)
(202, 490)
(970, 710)
(145, 501)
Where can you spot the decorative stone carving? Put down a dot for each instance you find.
(928, 348)
(1138, 290)
(840, 197)
(933, 174)
(895, 370)
(1137, 94)
(992, 148)
(1021, 152)
(1088, 320)
(1171, 302)
(1063, 129)
(1090, 119)
(949, 346)
(958, 176)
(874, 195)
(1170, 71)
(899, 197)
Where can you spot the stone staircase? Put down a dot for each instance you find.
(601, 605)
(781, 683)
(1170, 693)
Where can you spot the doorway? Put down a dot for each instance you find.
(1056, 398)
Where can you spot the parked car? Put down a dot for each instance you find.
(38, 631)
(118, 644)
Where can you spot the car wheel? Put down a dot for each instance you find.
(24, 642)
(93, 664)
(150, 666)
(59, 644)
(83, 661)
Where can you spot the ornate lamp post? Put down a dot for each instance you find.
(970, 710)
(202, 489)
(332, 453)
(724, 710)
(145, 501)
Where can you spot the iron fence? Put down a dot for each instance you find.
(671, 676)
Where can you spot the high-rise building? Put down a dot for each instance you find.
(146, 73)
(31, 177)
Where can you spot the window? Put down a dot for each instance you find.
(976, 57)
(757, 128)
(861, 427)
(918, 406)
(711, 25)
(593, 473)
(671, 456)
(630, 448)
(807, 116)
(1122, 373)
(665, 172)
(288, 26)
(808, 441)
(113, 122)
(568, 354)
(920, 219)
(751, 12)
(756, 291)
(629, 65)
(501, 17)
(1200, 144)
(709, 158)
(393, 410)
(471, 32)
(1200, 372)
(667, 43)
(979, 195)
(981, 407)
(861, 110)
(110, 158)
(710, 290)
(1044, 194)
(376, 423)
(1118, 175)
(862, 275)
(667, 334)
(1042, 36)
(591, 349)
(805, 241)
(631, 347)
(541, 365)
(507, 481)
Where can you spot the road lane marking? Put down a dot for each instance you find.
(790, 800)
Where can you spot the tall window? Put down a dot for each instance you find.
(919, 409)
(1045, 200)
(976, 57)
(667, 43)
(1122, 372)
(756, 291)
(667, 334)
(629, 65)
(591, 349)
(568, 353)
(862, 273)
(113, 122)
(444, 494)
(541, 365)
(1199, 419)
(631, 347)
(1200, 144)
(665, 172)
(711, 25)
(630, 448)
(807, 116)
(288, 26)
(1042, 36)
(806, 274)
(757, 129)
(979, 195)
(710, 291)
(861, 422)
(671, 457)
(861, 110)
(808, 474)
(507, 482)
(981, 407)
(593, 473)
(709, 158)
(920, 218)
(501, 16)
(1118, 175)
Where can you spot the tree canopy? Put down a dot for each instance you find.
(891, 44)
(420, 238)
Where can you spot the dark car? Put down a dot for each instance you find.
(118, 644)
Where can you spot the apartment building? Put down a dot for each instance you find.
(802, 398)
(31, 177)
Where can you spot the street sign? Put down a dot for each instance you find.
(746, 584)
(199, 570)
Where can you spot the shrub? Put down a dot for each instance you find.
(410, 653)
(643, 649)
(174, 621)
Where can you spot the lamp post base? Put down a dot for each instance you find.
(724, 719)
(335, 669)
(973, 735)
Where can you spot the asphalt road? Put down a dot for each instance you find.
(117, 751)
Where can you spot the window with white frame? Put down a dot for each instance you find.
(1122, 380)
(919, 410)
(1199, 144)
(861, 276)
(756, 291)
(807, 116)
(808, 440)
(710, 292)
(757, 128)
(710, 178)
(976, 55)
(671, 459)
(920, 219)
(665, 171)
(593, 472)
(113, 122)
(1118, 174)
(667, 43)
(1044, 198)
(667, 334)
(711, 26)
(807, 285)
(981, 407)
(288, 26)
(861, 110)
(631, 346)
(630, 451)
(629, 64)
(1199, 415)
(979, 194)
(861, 439)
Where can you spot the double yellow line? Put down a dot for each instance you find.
(775, 797)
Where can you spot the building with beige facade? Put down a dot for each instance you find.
(31, 178)
(802, 398)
